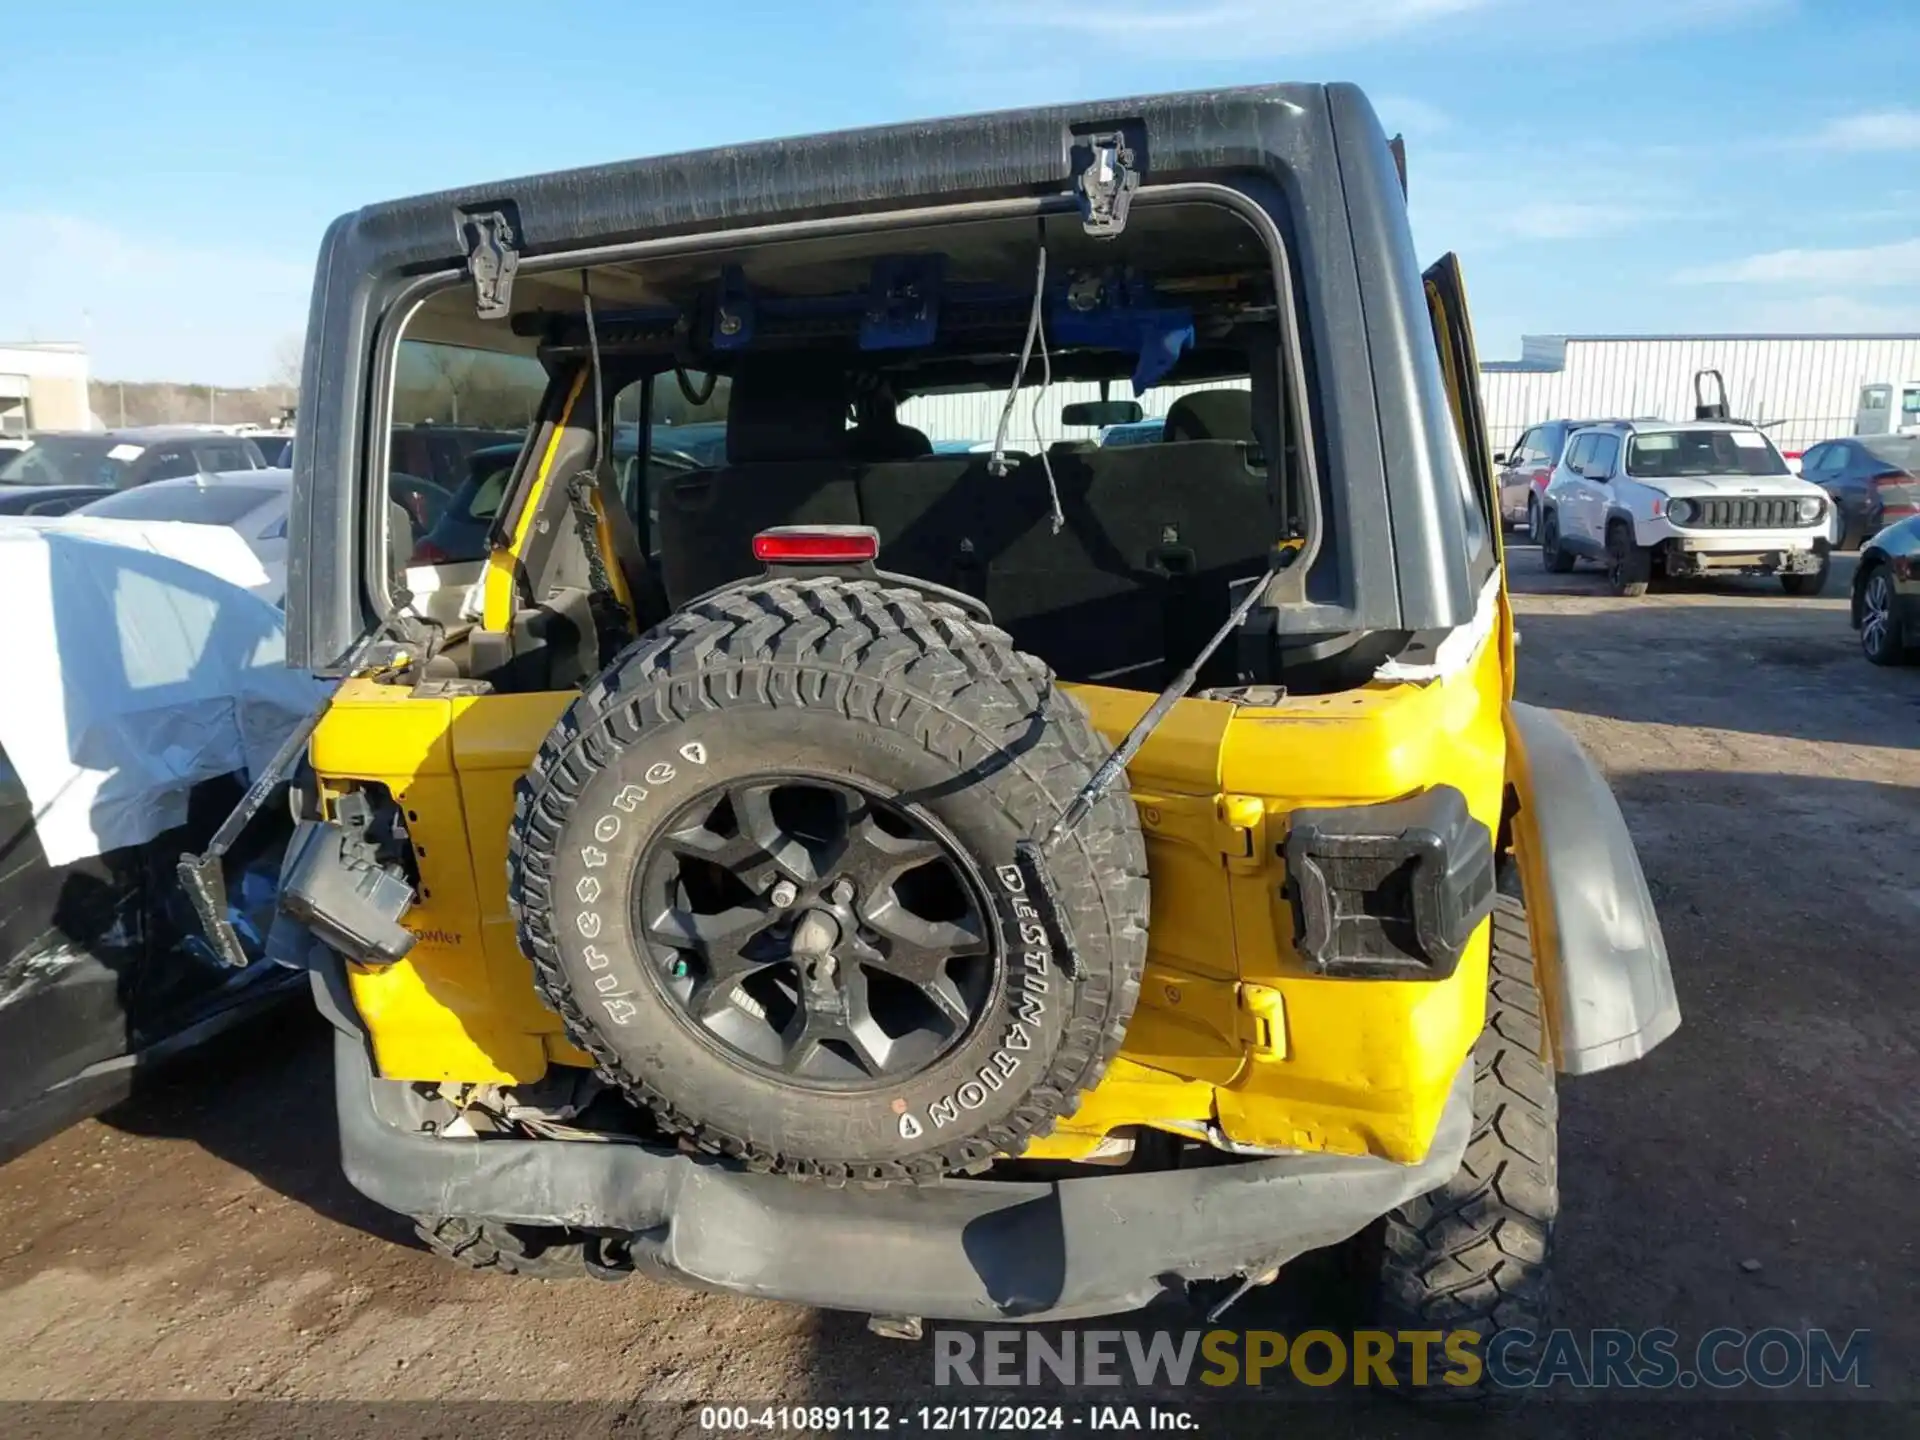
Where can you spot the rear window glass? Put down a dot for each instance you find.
(216, 458)
(188, 504)
(56, 460)
(1663, 454)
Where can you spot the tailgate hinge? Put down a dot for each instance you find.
(1106, 173)
(491, 238)
(1243, 821)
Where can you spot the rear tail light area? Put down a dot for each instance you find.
(1899, 494)
(817, 545)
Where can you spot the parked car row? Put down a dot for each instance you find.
(1657, 500)
(1869, 481)
(1707, 498)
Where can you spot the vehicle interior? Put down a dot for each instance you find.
(794, 363)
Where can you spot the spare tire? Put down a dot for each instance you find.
(765, 870)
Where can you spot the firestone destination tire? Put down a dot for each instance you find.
(765, 869)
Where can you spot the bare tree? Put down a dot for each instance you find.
(453, 372)
(284, 374)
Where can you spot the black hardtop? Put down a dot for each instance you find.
(1004, 153)
(1312, 159)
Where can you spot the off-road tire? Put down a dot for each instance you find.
(535, 1251)
(1629, 565)
(1476, 1253)
(1556, 560)
(913, 697)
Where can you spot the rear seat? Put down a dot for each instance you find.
(1153, 533)
(1127, 591)
(786, 465)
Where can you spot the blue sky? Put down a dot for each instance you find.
(1608, 165)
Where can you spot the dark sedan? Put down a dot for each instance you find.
(1886, 594)
(1873, 480)
(48, 499)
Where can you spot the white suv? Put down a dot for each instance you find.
(1699, 498)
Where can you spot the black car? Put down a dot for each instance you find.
(1886, 594)
(104, 973)
(122, 459)
(1873, 480)
(47, 500)
(440, 452)
(460, 534)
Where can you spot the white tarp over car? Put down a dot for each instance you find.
(137, 666)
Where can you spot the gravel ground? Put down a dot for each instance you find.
(1758, 1170)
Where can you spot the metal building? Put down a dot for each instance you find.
(1803, 388)
(43, 386)
(1034, 422)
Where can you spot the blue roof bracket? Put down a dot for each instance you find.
(903, 302)
(1123, 315)
(733, 311)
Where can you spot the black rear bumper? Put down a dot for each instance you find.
(962, 1250)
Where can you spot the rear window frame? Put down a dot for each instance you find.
(1303, 401)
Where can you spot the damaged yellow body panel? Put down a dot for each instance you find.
(1235, 1038)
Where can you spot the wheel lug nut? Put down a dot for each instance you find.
(843, 892)
(783, 894)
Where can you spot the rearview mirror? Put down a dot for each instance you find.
(1102, 412)
(1499, 457)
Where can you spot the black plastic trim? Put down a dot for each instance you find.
(960, 1250)
(1392, 891)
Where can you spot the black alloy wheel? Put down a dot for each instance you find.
(817, 932)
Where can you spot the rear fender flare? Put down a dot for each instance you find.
(1600, 956)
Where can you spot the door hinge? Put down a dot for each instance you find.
(1105, 176)
(492, 241)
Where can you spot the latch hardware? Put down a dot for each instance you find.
(492, 241)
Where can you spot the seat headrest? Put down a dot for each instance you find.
(1212, 415)
(887, 439)
(786, 408)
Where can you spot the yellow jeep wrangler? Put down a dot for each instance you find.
(852, 809)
